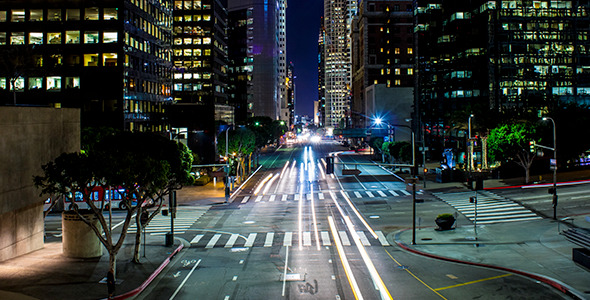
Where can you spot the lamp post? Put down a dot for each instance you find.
(470, 153)
(414, 179)
(554, 165)
(227, 165)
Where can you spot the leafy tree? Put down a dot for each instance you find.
(401, 151)
(144, 166)
(385, 150)
(242, 142)
(511, 142)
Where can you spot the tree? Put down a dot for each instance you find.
(401, 151)
(15, 62)
(377, 145)
(242, 142)
(511, 142)
(123, 161)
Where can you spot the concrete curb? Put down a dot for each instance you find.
(560, 286)
(150, 279)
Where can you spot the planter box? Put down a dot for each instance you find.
(444, 224)
(581, 256)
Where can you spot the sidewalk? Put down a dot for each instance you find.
(534, 249)
(48, 274)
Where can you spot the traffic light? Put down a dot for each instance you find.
(329, 165)
(532, 146)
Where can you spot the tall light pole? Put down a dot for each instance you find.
(470, 152)
(554, 165)
(227, 165)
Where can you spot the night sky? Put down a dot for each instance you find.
(303, 25)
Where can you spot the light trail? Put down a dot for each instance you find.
(321, 171)
(262, 184)
(292, 168)
(358, 214)
(269, 184)
(315, 222)
(351, 280)
(285, 168)
(301, 209)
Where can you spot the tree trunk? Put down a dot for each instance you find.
(137, 236)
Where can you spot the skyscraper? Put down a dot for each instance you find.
(338, 60)
(262, 48)
(110, 58)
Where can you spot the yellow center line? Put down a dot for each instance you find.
(416, 277)
(472, 282)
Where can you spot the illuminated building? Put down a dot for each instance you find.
(110, 58)
(321, 106)
(337, 47)
(383, 63)
(498, 55)
(261, 55)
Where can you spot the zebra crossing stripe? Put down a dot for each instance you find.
(250, 240)
(357, 194)
(269, 237)
(370, 194)
(288, 240)
(344, 238)
(245, 199)
(284, 198)
(197, 238)
(213, 241)
(232, 240)
(326, 238)
(272, 198)
(394, 193)
(363, 238)
(405, 192)
(308, 196)
(296, 197)
(258, 198)
(382, 194)
(321, 196)
(382, 238)
(307, 238)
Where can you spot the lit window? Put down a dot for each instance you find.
(410, 71)
(17, 38)
(110, 14)
(72, 14)
(375, 81)
(207, 40)
(72, 82)
(18, 15)
(91, 60)
(397, 72)
(36, 15)
(35, 83)
(410, 50)
(91, 37)
(396, 51)
(381, 50)
(54, 37)
(53, 83)
(2, 38)
(19, 84)
(178, 86)
(188, 52)
(54, 14)
(109, 37)
(187, 41)
(36, 38)
(206, 18)
(3, 16)
(91, 13)
(2, 83)
(72, 37)
(109, 59)
(398, 82)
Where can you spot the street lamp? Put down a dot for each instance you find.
(414, 178)
(554, 165)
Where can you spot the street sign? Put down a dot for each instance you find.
(351, 171)
(552, 162)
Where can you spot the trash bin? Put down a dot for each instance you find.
(169, 239)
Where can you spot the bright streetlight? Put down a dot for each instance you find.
(553, 164)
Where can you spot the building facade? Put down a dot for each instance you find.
(321, 111)
(382, 54)
(338, 60)
(498, 55)
(284, 98)
(262, 49)
(108, 58)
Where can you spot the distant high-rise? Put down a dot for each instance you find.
(321, 106)
(262, 48)
(338, 60)
(285, 111)
(110, 58)
(383, 63)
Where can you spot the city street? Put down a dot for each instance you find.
(296, 232)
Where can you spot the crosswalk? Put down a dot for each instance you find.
(185, 218)
(209, 240)
(491, 208)
(324, 195)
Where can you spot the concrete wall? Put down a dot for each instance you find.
(29, 138)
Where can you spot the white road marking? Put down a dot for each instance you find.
(250, 240)
(269, 237)
(213, 241)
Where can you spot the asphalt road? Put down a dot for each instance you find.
(295, 232)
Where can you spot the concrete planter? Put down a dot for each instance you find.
(79, 240)
(444, 223)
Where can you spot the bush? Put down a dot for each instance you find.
(203, 180)
(445, 216)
